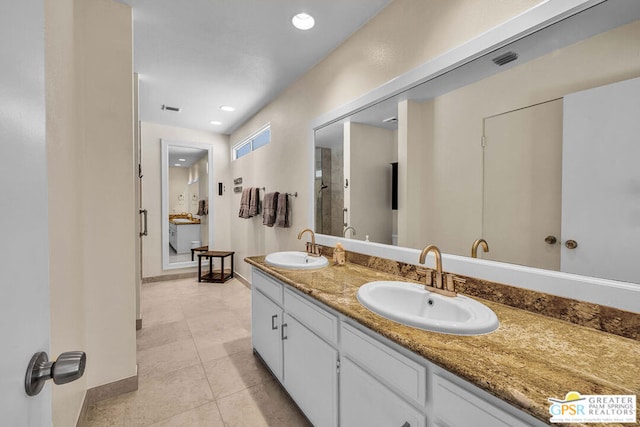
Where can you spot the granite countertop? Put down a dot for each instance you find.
(527, 360)
(182, 222)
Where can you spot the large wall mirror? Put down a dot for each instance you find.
(532, 147)
(187, 185)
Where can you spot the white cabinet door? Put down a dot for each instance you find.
(366, 402)
(310, 373)
(266, 321)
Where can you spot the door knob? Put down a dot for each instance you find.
(550, 240)
(69, 367)
(571, 244)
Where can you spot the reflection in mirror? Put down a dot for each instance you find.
(186, 191)
(520, 153)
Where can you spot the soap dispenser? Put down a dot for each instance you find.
(339, 254)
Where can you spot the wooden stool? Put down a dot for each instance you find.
(200, 249)
(214, 276)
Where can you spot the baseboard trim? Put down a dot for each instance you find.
(242, 280)
(167, 277)
(103, 392)
(82, 416)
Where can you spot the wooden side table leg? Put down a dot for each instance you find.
(199, 268)
(221, 269)
(231, 267)
(210, 268)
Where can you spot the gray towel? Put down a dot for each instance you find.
(282, 212)
(269, 208)
(254, 203)
(245, 199)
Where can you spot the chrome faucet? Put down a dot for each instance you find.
(474, 247)
(311, 248)
(344, 232)
(437, 281)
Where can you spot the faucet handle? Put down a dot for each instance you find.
(451, 280)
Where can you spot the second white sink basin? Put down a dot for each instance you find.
(295, 260)
(412, 305)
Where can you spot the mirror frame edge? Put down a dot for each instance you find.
(164, 185)
(595, 290)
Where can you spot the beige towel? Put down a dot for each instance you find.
(269, 208)
(282, 212)
(245, 199)
(254, 203)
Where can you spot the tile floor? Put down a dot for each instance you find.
(196, 366)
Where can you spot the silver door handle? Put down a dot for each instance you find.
(146, 231)
(274, 326)
(69, 367)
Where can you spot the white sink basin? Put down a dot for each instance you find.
(296, 260)
(412, 305)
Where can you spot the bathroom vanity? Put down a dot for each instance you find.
(181, 234)
(344, 365)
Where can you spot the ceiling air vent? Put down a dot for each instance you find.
(505, 58)
(167, 108)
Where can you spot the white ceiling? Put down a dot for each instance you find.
(200, 54)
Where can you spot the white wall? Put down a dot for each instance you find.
(178, 190)
(64, 160)
(415, 173)
(371, 154)
(108, 206)
(151, 134)
(91, 205)
(403, 35)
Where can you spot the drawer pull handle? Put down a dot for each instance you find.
(274, 326)
(284, 336)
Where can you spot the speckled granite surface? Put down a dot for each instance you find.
(527, 360)
(607, 319)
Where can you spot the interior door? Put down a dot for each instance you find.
(522, 185)
(601, 181)
(24, 306)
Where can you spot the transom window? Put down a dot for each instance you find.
(255, 141)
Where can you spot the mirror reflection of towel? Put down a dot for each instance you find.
(269, 209)
(245, 199)
(282, 212)
(203, 207)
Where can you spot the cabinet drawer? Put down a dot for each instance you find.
(403, 374)
(313, 317)
(364, 401)
(267, 285)
(456, 407)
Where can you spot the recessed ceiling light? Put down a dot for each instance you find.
(182, 160)
(227, 108)
(215, 122)
(176, 164)
(303, 21)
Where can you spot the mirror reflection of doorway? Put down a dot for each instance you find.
(522, 185)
